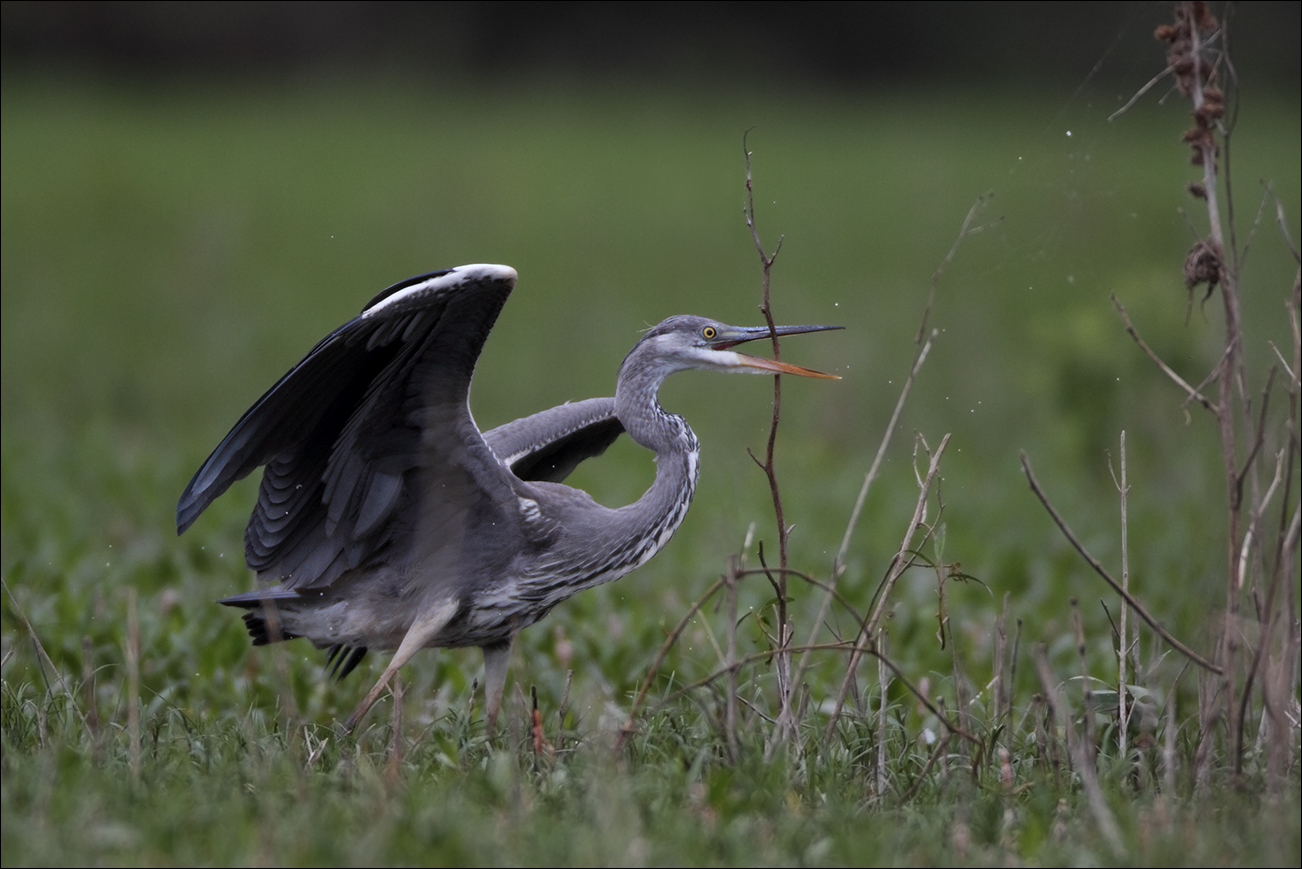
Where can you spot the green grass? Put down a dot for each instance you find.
(241, 790)
(169, 251)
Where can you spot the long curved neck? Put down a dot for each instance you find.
(638, 408)
(602, 544)
(662, 508)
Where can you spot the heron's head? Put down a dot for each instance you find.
(686, 342)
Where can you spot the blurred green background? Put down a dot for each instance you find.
(191, 199)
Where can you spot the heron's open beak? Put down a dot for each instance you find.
(732, 337)
(782, 367)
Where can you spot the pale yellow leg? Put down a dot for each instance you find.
(418, 636)
(496, 659)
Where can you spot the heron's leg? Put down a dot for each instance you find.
(495, 660)
(424, 629)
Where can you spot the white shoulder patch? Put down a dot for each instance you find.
(458, 276)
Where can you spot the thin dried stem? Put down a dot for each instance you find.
(397, 744)
(965, 230)
(783, 662)
(901, 562)
(42, 657)
(924, 348)
(838, 567)
(1168, 744)
(1123, 641)
(1089, 776)
(1281, 220)
(1130, 599)
(924, 341)
(88, 686)
(941, 749)
(1078, 627)
(629, 726)
(1001, 655)
(1139, 93)
(133, 681)
(962, 691)
(884, 684)
(769, 654)
(730, 710)
(1204, 94)
(1270, 620)
(918, 360)
(1012, 669)
(1192, 393)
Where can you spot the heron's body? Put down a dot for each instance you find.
(551, 521)
(386, 520)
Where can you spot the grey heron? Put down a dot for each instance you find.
(387, 520)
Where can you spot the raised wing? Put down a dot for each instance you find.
(551, 444)
(374, 418)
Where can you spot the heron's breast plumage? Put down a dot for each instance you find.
(594, 545)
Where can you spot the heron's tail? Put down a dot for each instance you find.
(266, 626)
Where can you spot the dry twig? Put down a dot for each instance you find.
(783, 661)
(1130, 599)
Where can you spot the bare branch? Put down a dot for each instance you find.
(1138, 607)
(1089, 774)
(839, 565)
(942, 747)
(1282, 220)
(1123, 640)
(1139, 93)
(629, 727)
(963, 232)
(1194, 394)
(768, 654)
(43, 658)
(900, 563)
(783, 663)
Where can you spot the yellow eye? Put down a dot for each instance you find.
(709, 332)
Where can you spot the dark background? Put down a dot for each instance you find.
(813, 44)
